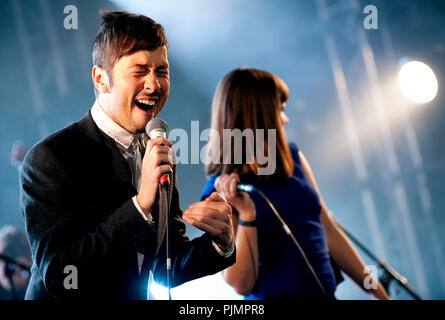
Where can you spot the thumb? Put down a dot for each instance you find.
(216, 196)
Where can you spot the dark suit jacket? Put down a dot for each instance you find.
(76, 195)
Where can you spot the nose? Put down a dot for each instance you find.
(152, 83)
(284, 118)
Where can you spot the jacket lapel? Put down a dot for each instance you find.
(108, 146)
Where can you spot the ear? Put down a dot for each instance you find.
(100, 79)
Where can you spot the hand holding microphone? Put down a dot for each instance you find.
(157, 163)
(235, 194)
(214, 216)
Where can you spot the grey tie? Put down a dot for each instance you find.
(139, 149)
(142, 143)
(140, 146)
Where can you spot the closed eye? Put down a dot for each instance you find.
(139, 73)
(162, 72)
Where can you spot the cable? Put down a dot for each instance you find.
(389, 273)
(289, 232)
(168, 254)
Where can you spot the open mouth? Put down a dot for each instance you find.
(146, 105)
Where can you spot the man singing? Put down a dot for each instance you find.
(90, 192)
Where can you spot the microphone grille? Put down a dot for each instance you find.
(156, 124)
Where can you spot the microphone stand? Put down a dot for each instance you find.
(164, 188)
(388, 272)
(9, 270)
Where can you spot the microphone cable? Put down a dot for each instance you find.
(165, 195)
(250, 189)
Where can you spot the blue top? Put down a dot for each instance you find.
(282, 269)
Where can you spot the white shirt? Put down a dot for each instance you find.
(128, 145)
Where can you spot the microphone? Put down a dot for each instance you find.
(245, 187)
(158, 128)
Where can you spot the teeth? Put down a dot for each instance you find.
(147, 102)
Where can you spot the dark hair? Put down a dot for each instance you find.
(122, 33)
(250, 98)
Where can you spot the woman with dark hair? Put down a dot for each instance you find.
(268, 262)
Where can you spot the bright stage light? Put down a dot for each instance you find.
(158, 292)
(418, 82)
(207, 288)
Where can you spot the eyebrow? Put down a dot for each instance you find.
(144, 65)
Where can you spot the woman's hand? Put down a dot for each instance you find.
(239, 200)
(243, 274)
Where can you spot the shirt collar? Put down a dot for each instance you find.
(111, 128)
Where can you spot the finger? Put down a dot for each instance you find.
(163, 169)
(219, 186)
(159, 149)
(164, 145)
(215, 196)
(223, 177)
(220, 236)
(232, 187)
(202, 226)
(216, 224)
(209, 212)
(220, 225)
(159, 141)
(220, 208)
(225, 190)
(224, 185)
(160, 158)
(158, 155)
(219, 182)
(236, 176)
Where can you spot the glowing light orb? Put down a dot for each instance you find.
(418, 82)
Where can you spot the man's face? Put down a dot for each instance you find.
(140, 88)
